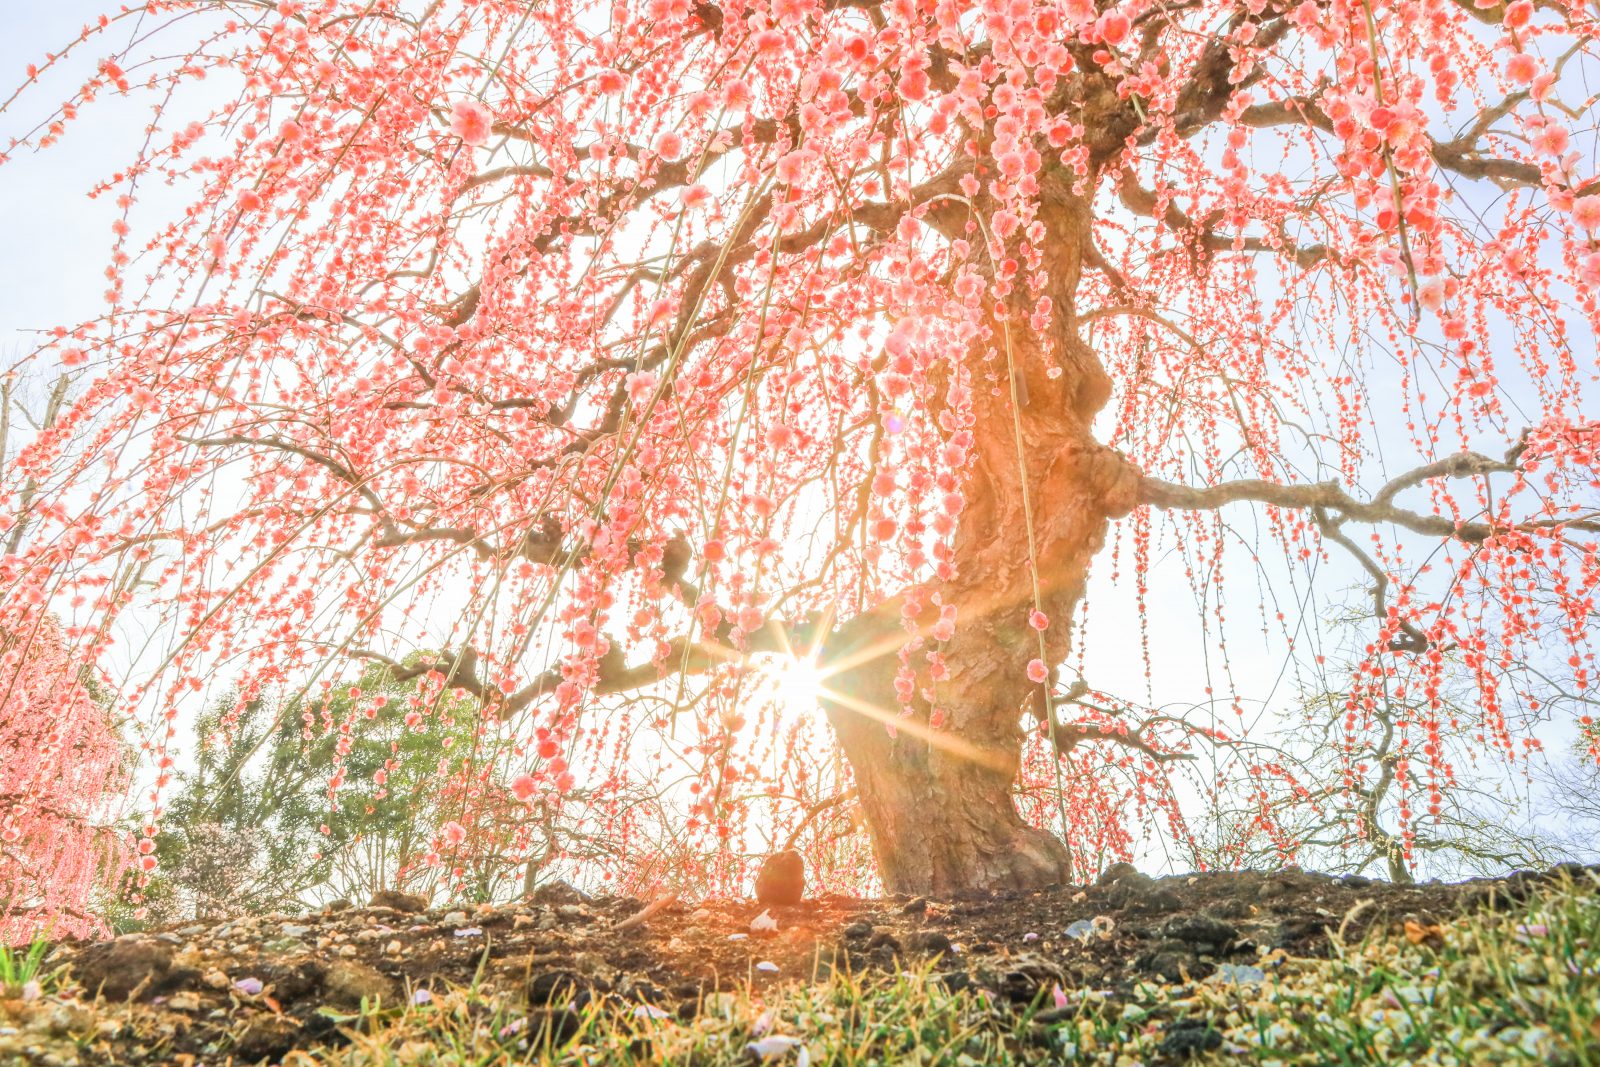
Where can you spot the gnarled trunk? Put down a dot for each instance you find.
(938, 799)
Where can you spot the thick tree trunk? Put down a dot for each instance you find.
(939, 800)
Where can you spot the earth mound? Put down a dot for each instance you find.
(254, 989)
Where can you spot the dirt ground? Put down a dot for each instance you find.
(253, 989)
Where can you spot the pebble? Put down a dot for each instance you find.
(403, 902)
(184, 1002)
(781, 882)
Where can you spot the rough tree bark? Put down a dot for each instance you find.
(939, 804)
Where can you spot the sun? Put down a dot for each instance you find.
(797, 683)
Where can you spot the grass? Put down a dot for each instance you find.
(1515, 986)
(20, 967)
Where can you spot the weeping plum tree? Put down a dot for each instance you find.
(614, 345)
(61, 765)
(62, 761)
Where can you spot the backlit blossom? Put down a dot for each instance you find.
(471, 121)
(1521, 68)
(669, 145)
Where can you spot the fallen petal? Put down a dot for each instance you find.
(776, 1045)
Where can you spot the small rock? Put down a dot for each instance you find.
(215, 979)
(558, 892)
(928, 941)
(554, 987)
(70, 1019)
(857, 930)
(394, 948)
(1240, 974)
(884, 941)
(571, 911)
(294, 930)
(454, 919)
(915, 906)
(341, 904)
(1189, 1038)
(1171, 961)
(1199, 929)
(291, 981)
(351, 983)
(266, 1037)
(410, 903)
(1118, 872)
(184, 1001)
(782, 879)
(557, 1026)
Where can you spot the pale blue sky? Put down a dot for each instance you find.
(56, 239)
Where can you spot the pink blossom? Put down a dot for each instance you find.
(1585, 212)
(454, 833)
(611, 82)
(669, 145)
(1038, 620)
(1114, 27)
(1080, 12)
(791, 166)
(1589, 270)
(1552, 140)
(1522, 68)
(523, 786)
(695, 197)
(1037, 671)
(471, 121)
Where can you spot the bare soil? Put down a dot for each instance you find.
(253, 989)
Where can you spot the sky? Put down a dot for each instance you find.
(57, 240)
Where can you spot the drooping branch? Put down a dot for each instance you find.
(684, 654)
(1331, 497)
